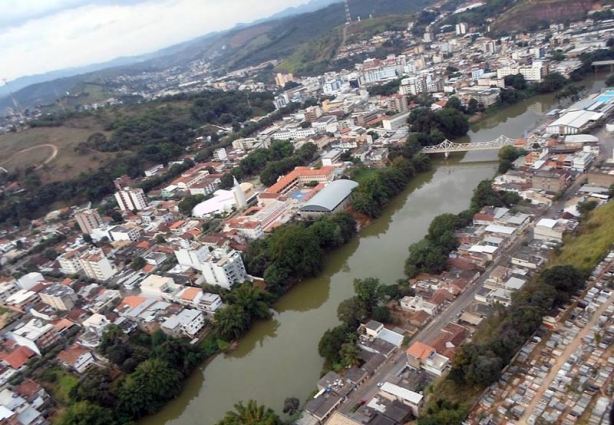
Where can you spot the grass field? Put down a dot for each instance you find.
(67, 164)
(595, 239)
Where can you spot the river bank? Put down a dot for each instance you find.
(280, 355)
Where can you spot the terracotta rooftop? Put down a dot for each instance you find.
(190, 293)
(63, 324)
(71, 354)
(18, 357)
(420, 350)
(27, 388)
(131, 301)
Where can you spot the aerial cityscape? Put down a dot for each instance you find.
(333, 212)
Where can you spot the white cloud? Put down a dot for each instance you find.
(68, 33)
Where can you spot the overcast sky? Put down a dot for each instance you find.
(38, 36)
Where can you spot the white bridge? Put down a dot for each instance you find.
(447, 146)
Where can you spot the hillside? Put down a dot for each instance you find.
(529, 14)
(240, 47)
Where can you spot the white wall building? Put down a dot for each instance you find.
(131, 199)
(96, 265)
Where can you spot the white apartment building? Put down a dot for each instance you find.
(188, 323)
(69, 262)
(88, 220)
(96, 265)
(536, 72)
(131, 199)
(224, 268)
(125, 233)
(159, 287)
(395, 122)
(36, 335)
(294, 133)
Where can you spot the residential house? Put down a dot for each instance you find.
(77, 358)
(422, 356)
(35, 334)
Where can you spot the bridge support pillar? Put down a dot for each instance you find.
(446, 153)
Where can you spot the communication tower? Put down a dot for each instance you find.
(348, 17)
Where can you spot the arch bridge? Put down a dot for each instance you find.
(447, 146)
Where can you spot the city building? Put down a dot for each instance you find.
(59, 296)
(88, 220)
(223, 268)
(282, 79)
(77, 358)
(131, 199)
(334, 197)
(158, 287)
(96, 265)
(331, 157)
(573, 122)
(395, 122)
(36, 335)
(301, 175)
(69, 262)
(187, 322)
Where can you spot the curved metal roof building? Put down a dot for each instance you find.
(330, 197)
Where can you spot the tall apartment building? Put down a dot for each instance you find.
(88, 220)
(131, 199)
(69, 262)
(36, 335)
(96, 265)
(59, 297)
(224, 268)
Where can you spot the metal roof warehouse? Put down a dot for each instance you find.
(330, 198)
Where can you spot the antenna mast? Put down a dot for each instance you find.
(15, 103)
(348, 17)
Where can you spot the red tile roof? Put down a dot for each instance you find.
(18, 357)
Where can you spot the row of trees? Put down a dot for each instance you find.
(296, 251)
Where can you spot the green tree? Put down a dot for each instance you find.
(609, 82)
(382, 314)
(455, 103)
(95, 388)
(117, 217)
(473, 106)
(331, 342)
(291, 405)
(254, 301)
(87, 238)
(138, 263)
(367, 291)
(250, 414)
(352, 311)
(188, 203)
(452, 123)
(86, 413)
(350, 354)
(231, 322)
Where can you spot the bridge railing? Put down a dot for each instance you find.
(447, 146)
